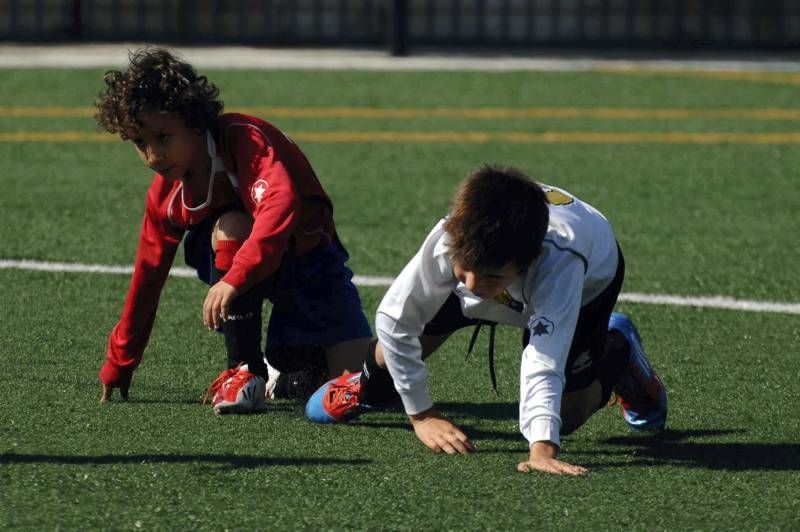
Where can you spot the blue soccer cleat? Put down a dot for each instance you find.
(640, 391)
(336, 401)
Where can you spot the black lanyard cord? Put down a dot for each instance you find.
(492, 326)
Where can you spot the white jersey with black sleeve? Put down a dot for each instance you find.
(578, 260)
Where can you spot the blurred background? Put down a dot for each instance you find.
(401, 26)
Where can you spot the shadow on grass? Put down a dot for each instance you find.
(272, 405)
(473, 433)
(490, 411)
(674, 447)
(137, 401)
(504, 410)
(200, 459)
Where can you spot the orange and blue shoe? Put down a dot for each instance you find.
(640, 391)
(336, 401)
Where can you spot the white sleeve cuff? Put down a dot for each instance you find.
(416, 400)
(543, 429)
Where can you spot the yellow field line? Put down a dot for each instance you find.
(45, 112)
(786, 78)
(549, 137)
(476, 137)
(56, 136)
(488, 113)
(523, 113)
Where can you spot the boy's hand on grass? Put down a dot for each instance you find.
(111, 378)
(439, 434)
(215, 307)
(543, 458)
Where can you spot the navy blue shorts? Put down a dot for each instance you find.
(314, 300)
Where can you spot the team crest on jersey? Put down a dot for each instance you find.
(506, 299)
(541, 326)
(258, 190)
(557, 197)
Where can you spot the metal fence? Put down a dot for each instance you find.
(403, 24)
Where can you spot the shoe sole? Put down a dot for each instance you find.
(623, 324)
(654, 424)
(315, 411)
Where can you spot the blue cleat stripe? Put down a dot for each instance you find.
(315, 411)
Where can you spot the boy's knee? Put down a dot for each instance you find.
(230, 231)
(232, 225)
(578, 406)
(302, 370)
(572, 420)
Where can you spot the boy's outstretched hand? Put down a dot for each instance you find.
(114, 378)
(439, 434)
(543, 458)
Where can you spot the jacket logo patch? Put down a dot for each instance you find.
(258, 190)
(506, 299)
(541, 326)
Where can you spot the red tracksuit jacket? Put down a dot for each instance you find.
(270, 178)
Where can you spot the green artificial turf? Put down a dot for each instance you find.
(717, 219)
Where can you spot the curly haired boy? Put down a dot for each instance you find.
(257, 224)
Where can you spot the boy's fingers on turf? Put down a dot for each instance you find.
(525, 467)
(125, 385)
(457, 445)
(465, 441)
(448, 448)
(578, 470)
(438, 446)
(555, 467)
(569, 469)
(106, 395)
(528, 467)
(460, 446)
(454, 442)
(432, 445)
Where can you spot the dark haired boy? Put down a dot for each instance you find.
(258, 225)
(532, 256)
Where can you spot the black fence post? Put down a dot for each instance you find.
(398, 28)
(76, 20)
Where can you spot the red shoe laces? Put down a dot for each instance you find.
(339, 395)
(218, 382)
(647, 396)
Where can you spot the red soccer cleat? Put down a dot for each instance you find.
(336, 401)
(237, 391)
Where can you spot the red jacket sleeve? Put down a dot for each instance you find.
(157, 245)
(268, 191)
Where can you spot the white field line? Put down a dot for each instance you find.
(67, 267)
(718, 302)
(232, 57)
